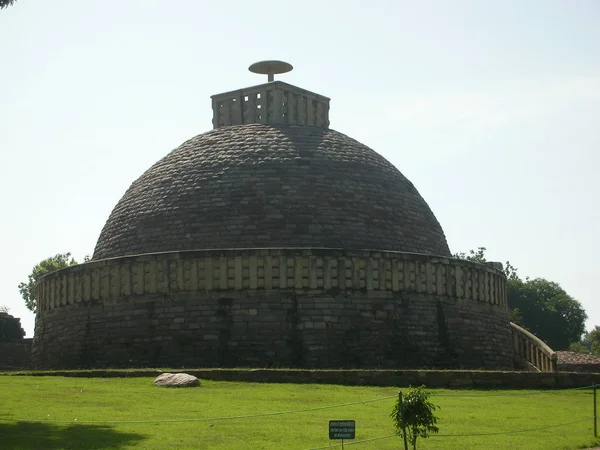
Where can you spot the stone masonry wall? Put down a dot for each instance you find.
(274, 307)
(15, 355)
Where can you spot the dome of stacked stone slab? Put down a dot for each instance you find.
(274, 241)
(256, 186)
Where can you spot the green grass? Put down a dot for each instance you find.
(83, 413)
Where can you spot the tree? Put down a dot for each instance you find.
(479, 256)
(56, 262)
(540, 306)
(4, 309)
(590, 343)
(548, 311)
(414, 417)
(5, 3)
(578, 347)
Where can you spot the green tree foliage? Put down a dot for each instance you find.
(56, 262)
(479, 256)
(4, 309)
(590, 343)
(414, 417)
(540, 306)
(5, 3)
(578, 347)
(473, 255)
(548, 311)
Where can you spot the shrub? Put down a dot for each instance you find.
(414, 416)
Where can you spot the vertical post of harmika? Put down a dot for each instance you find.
(402, 415)
(595, 420)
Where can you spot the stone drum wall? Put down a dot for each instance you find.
(320, 308)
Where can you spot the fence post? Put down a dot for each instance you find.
(402, 415)
(595, 421)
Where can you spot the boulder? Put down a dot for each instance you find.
(176, 380)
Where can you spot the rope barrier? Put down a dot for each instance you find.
(524, 430)
(550, 391)
(354, 442)
(203, 419)
(362, 441)
(278, 413)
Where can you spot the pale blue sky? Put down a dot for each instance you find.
(492, 109)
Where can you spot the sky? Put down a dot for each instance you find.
(492, 110)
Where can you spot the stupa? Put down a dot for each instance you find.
(273, 241)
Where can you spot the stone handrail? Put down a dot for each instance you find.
(530, 351)
(313, 270)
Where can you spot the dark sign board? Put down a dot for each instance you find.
(342, 429)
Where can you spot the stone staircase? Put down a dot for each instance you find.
(530, 352)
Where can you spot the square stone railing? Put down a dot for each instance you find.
(274, 103)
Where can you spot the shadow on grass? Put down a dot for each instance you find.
(31, 435)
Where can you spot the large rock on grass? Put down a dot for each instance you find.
(176, 380)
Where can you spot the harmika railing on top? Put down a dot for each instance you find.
(531, 352)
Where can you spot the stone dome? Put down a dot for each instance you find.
(260, 186)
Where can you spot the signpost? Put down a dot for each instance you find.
(342, 429)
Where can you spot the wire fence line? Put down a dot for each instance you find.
(202, 419)
(362, 441)
(280, 413)
(494, 433)
(511, 394)
(520, 430)
(340, 405)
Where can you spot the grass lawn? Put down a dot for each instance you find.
(97, 413)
